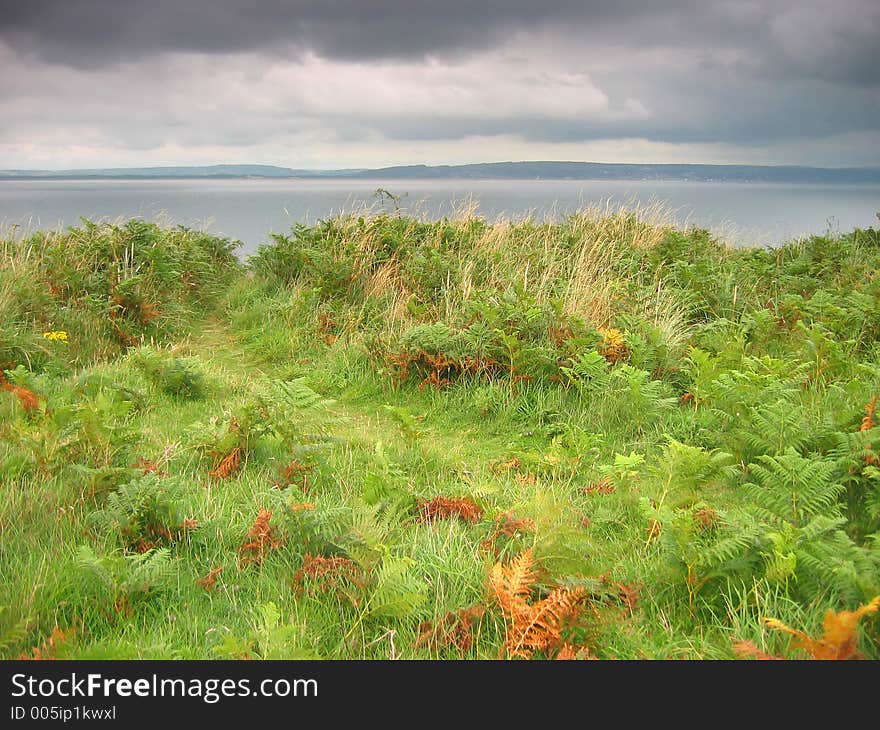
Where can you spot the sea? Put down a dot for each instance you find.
(248, 211)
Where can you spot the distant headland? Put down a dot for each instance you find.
(546, 170)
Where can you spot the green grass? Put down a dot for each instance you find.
(393, 361)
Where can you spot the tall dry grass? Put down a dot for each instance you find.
(581, 260)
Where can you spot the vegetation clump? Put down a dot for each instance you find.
(601, 437)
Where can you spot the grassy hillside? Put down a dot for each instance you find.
(382, 437)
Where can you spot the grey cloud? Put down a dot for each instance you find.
(735, 72)
(92, 31)
(742, 125)
(779, 36)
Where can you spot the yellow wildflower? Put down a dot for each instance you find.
(56, 336)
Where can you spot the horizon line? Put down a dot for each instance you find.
(435, 165)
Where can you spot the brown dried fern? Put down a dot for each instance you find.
(603, 486)
(506, 526)
(445, 507)
(262, 539)
(839, 639)
(571, 651)
(295, 472)
(28, 399)
(748, 650)
(210, 579)
(227, 465)
(534, 626)
(454, 629)
(868, 421)
(320, 573)
(49, 648)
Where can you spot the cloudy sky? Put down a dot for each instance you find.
(368, 83)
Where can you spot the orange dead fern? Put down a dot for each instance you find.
(300, 506)
(603, 486)
(261, 539)
(748, 650)
(440, 365)
(49, 648)
(227, 460)
(534, 626)
(208, 581)
(839, 639)
(159, 535)
(445, 507)
(506, 526)
(868, 421)
(454, 629)
(295, 472)
(28, 399)
(572, 651)
(227, 465)
(320, 573)
(148, 466)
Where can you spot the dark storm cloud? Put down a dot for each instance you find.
(782, 37)
(81, 31)
(229, 74)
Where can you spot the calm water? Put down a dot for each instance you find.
(249, 210)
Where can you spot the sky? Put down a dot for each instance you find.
(329, 84)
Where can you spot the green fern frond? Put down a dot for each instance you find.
(146, 508)
(375, 530)
(774, 428)
(729, 546)
(588, 371)
(147, 573)
(94, 574)
(12, 635)
(111, 579)
(289, 395)
(318, 531)
(835, 564)
(793, 488)
(399, 593)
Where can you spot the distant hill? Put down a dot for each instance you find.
(204, 171)
(486, 171)
(603, 171)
